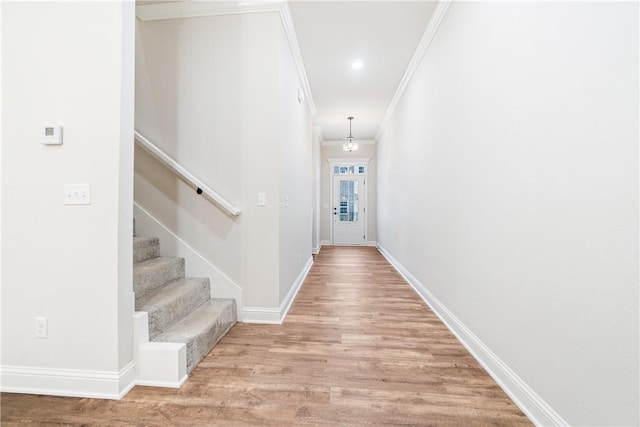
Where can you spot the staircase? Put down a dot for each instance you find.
(179, 309)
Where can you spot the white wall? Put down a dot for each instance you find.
(295, 169)
(316, 166)
(205, 117)
(508, 188)
(70, 264)
(219, 94)
(332, 150)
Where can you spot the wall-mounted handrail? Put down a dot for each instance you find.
(188, 177)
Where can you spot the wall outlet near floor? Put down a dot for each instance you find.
(42, 328)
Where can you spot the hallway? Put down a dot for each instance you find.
(358, 347)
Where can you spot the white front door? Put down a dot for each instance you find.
(348, 210)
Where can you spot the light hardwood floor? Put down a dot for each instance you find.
(358, 347)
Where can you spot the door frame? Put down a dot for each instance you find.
(347, 161)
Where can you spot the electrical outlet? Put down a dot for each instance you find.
(42, 328)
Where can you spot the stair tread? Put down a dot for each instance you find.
(153, 262)
(172, 302)
(202, 329)
(167, 293)
(198, 322)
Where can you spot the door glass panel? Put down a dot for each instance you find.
(348, 200)
(348, 170)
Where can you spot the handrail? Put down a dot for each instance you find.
(201, 188)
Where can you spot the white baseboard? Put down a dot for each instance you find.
(68, 382)
(261, 315)
(275, 316)
(127, 379)
(164, 384)
(536, 409)
(316, 250)
(320, 245)
(291, 295)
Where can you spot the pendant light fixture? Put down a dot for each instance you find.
(350, 145)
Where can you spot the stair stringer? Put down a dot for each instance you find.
(198, 266)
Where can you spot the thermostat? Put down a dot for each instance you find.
(52, 135)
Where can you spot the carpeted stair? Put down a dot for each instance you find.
(180, 309)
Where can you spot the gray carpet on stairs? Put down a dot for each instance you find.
(180, 309)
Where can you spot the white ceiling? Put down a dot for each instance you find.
(332, 34)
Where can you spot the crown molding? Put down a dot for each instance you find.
(429, 33)
(195, 9)
(287, 23)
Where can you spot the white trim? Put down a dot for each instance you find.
(291, 295)
(186, 176)
(165, 384)
(534, 407)
(322, 243)
(292, 38)
(372, 243)
(276, 316)
(161, 364)
(261, 315)
(429, 33)
(68, 382)
(195, 9)
(127, 378)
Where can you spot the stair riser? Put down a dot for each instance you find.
(162, 318)
(148, 279)
(198, 348)
(145, 249)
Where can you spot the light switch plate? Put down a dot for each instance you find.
(42, 327)
(77, 194)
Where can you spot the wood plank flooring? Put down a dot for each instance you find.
(358, 347)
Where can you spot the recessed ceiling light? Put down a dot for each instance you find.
(357, 64)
